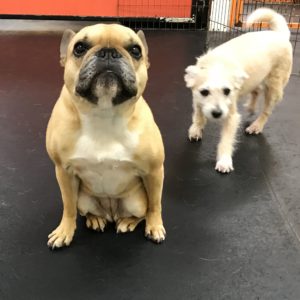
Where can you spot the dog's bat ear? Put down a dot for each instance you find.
(65, 41)
(240, 77)
(142, 37)
(191, 73)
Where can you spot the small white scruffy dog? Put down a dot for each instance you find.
(250, 63)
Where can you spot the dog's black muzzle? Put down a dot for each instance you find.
(107, 67)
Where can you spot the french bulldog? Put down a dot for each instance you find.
(102, 138)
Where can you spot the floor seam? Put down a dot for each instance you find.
(282, 209)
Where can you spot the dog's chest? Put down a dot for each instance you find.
(103, 157)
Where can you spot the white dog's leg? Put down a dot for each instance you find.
(273, 94)
(226, 145)
(199, 121)
(251, 105)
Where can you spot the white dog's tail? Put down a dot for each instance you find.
(276, 21)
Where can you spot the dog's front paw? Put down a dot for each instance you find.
(224, 164)
(195, 133)
(62, 235)
(156, 234)
(254, 128)
(155, 230)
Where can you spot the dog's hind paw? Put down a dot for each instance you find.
(127, 224)
(95, 223)
(224, 164)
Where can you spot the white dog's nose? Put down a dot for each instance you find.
(216, 113)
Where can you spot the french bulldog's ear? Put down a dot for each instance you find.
(191, 73)
(240, 77)
(142, 37)
(66, 38)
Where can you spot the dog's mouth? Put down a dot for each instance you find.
(97, 79)
(86, 88)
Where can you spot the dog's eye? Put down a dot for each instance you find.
(135, 51)
(80, 49)
(204, 92)
(226, 91)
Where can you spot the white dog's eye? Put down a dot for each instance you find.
(204, 92)
(226, 91)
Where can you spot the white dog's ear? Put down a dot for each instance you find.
(240, 78)
(191, 73)
(65, 41)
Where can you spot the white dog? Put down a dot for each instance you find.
(250, 63)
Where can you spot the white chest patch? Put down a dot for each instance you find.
(103, 156)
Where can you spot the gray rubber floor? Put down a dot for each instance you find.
(228, 237)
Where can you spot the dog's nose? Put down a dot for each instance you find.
(106, 53)
(217, 113)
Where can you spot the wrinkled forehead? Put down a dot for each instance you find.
(108, 34)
